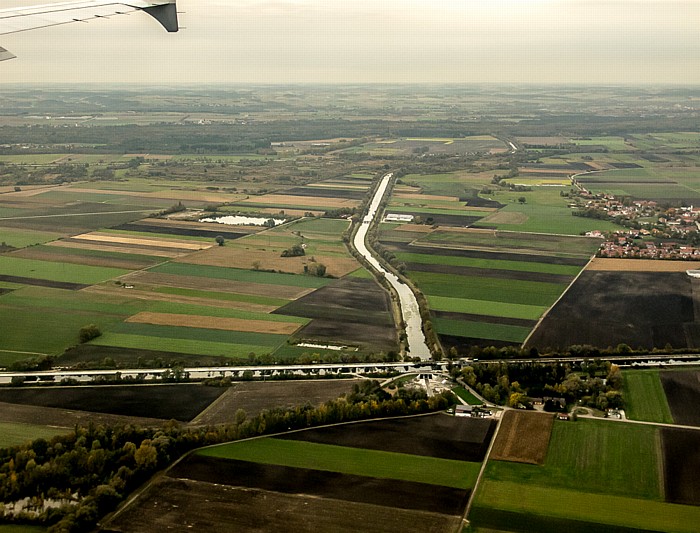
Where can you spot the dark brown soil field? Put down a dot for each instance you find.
(190, 232)
(681, 449)
(347, 487)
(647, 309)
(490, 273)
(523, 437)
(461, 221)
(185, 505)
(350, 310)
(463, 344)
(179, 402)
(62, 418)
(417, 248)
(683, 394)
(318, 192)
(485, 318)
(43, 282)
(254, 396)
(438, 435)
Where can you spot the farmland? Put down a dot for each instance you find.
(611, 470)
(382, 486)
(101, 222)
(644, 397)
(607, 308)
(682, 388)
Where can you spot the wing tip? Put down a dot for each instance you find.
(5, 54)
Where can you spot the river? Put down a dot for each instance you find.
(410, 311)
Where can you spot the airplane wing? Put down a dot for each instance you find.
(19, 19)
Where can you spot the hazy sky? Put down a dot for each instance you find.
(376, 41)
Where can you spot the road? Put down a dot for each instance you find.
(410, 311)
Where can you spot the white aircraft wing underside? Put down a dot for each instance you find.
(29, 18)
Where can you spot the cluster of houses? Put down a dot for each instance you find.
(628, 244)
(680, 225)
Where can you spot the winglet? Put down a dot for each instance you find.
(166, 14)
(5, 55)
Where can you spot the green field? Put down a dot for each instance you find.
(192, 347)
(467, 396)
(491, 289)
(346, 460)
(12, 433)
(526, 504)
(598, 456)
(195, 334)
(644, 396)
(596, 472)
(224, 312)
(495, 264)
(54, 271)
(486, 307)
(20, 238)
(237, 274)
(233, 297)
(480, 330)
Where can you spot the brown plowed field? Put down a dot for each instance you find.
(235, 257)
(347, 487)
(523, 437)
(437, 435)
(283, 199)
(641, 265)
(254, 396)
(180, 402)
(186, 505)
(63, 418)
(682, 390)
(217, 285)
(681, 449)
(213, 322)
(648, 309)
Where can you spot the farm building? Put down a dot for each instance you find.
(395, 217)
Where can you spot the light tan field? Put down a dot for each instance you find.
(506, 217)
(214, 322)
(31, 190)
(145, 292)
(641, 265)
(159, 243)
(523, 437)
(282, 199)
(216, 285)
(324, 185)
(235, 257)
(563, 171)
(87, 245)
(415, 228)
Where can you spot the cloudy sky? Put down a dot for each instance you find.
(372, 41)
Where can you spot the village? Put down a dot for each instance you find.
(649, 226)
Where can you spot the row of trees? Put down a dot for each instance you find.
(93, 468)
